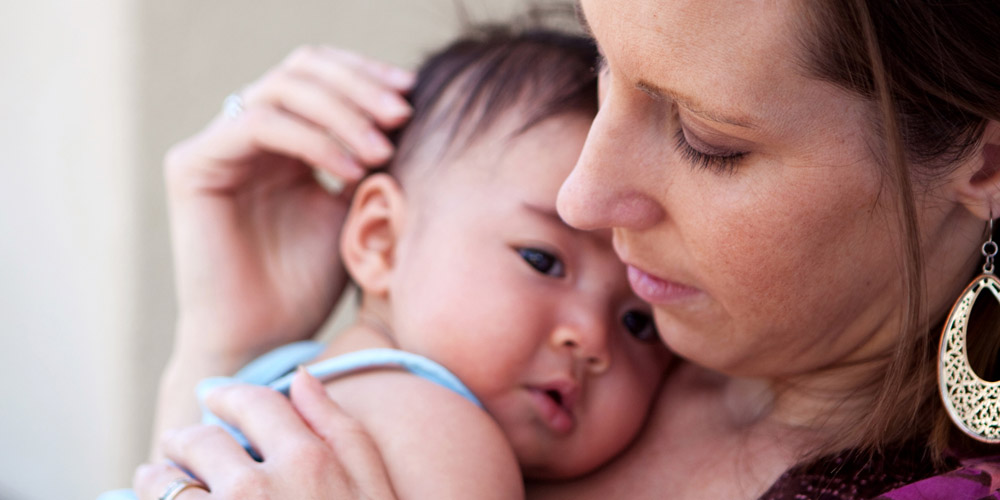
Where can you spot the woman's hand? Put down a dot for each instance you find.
(311, 449)
(255, 236)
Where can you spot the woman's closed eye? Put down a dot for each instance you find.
(722, 162)
(640, 325)
(543, 262)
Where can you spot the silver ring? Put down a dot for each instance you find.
(232, 106)
(180, 484)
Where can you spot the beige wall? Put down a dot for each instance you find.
(92, 94)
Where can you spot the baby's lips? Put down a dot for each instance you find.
(568, 389)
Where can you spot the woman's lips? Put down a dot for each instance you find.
(556, 416)
(657, 290)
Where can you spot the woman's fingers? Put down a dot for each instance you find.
(338, 460)
(355, 449)
(324, 107)
(264, 415)
(284, 133)
(358, 79)
(321, 413)
(352, 97)
(336, 114)
(151, 481)
(206, 450)
(374, 85)
(391, 76)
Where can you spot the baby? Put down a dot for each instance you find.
(471, 281)
(461, 258)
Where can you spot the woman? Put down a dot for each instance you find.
(800, 190)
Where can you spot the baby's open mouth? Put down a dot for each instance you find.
(555, 395)
(554, 405)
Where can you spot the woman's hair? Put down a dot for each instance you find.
(932, 71)
(491, 71)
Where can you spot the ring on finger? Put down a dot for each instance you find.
(180, 484)
(233, 106)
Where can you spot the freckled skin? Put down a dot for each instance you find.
(796, 250)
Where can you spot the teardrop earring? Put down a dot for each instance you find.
(972, 403)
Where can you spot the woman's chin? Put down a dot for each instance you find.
(703, 346)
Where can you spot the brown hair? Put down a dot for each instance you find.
(465, 88)
(932, 71)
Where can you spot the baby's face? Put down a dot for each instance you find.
(537, 318)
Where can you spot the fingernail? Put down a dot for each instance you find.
(303, 373)
(352, 171)
(395, 105)
(402, 77)
(380, 145)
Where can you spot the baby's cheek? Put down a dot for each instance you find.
(624, 411)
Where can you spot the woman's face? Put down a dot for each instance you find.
(744, 195)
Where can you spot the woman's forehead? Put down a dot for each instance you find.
(721, 59)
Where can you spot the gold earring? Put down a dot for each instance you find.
(972, 403)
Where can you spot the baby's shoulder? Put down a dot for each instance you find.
(435, 442)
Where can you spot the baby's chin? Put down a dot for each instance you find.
(559, 466)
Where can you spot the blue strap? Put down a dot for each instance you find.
(276, 370)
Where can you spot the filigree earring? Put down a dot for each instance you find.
(972, 403)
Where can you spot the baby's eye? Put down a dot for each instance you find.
(543, 261)
(640, 325)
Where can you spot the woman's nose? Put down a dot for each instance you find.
(587, 343)
(609, 186)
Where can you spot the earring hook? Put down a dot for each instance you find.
(990, 248)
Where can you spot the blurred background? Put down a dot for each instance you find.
(91, 96)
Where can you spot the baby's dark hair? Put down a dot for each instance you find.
(465, 88)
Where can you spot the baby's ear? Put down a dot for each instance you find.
(979, 177)
(371, 232)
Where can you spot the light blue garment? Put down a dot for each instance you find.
(276, 369)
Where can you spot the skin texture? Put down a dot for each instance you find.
(779, 270)
(311, 449)
(442, 270)
(442, 275)
(789, 263)
(254, 235)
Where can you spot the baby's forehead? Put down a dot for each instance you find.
(490, 89)
(512, 146)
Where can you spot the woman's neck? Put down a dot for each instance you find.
(811, 411)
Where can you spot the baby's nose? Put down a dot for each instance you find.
(587, 343)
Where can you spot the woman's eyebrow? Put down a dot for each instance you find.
(661, 93)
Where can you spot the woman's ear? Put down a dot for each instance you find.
(371, 233)
(979, 176)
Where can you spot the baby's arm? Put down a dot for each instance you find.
(435, 443)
